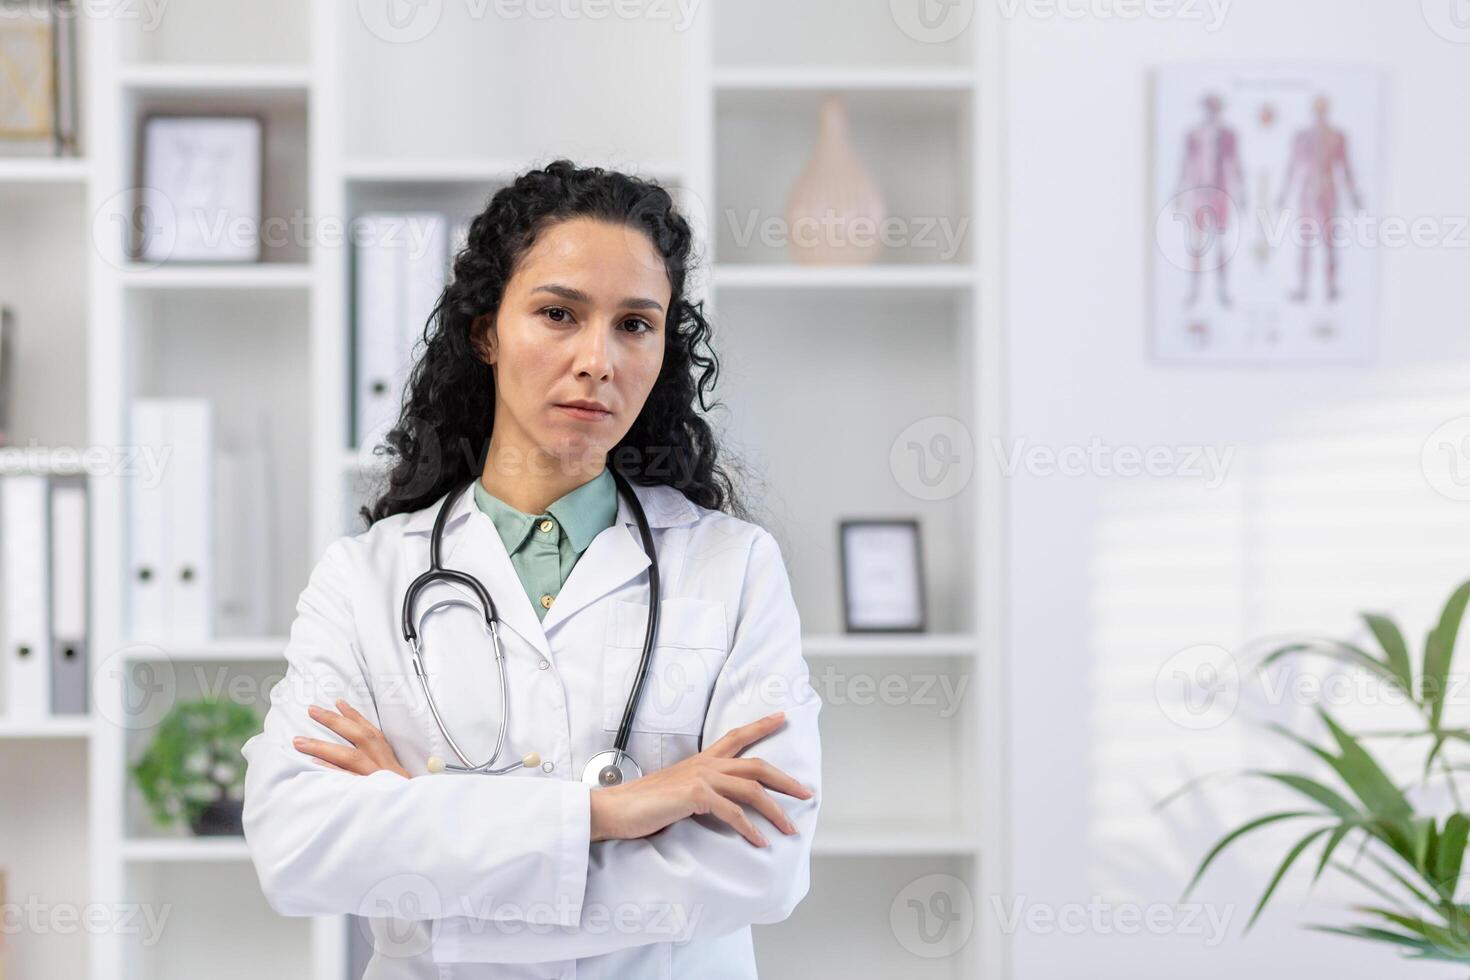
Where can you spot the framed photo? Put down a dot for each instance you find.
(1266, 205)
(201, 189)
(27, 76)
(882, 576)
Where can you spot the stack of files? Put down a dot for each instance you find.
(171, 524)
(43, 597)
(401, 263)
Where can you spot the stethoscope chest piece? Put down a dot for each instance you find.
(610, 767)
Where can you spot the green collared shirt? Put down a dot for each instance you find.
(544, 547)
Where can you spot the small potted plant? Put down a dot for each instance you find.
(193, 771)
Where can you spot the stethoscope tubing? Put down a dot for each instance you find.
(436, 572)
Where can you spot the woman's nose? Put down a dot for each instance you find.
(594, 353)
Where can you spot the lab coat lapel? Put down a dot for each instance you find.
(471, 544)
(614, 556)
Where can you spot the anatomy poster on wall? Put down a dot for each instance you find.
(1267, 214)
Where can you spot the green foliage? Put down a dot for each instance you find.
(1418, 859)
(194, 759)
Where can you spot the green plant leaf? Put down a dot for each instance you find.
(1395, 650)
(1239, 832)
(1286, 864)
(1314, 791)
(1365, 777)
(1451, 854)
(1339, 832)
(1439, 651)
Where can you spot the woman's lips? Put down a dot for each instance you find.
(587, 414)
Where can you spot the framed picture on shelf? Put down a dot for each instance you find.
(38, 97)
(201, 189)
(882, 576)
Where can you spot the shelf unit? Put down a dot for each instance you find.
(356, 122)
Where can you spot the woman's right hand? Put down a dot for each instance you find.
(713, 782)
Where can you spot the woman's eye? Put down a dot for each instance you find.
(645, 326)
(550, 310)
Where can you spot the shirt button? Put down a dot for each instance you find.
(548, 766)
(546, 601)
(543, 664)
(546, 525)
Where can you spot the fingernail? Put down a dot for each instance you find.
(761, 838)
(778, 714)
(298, 741)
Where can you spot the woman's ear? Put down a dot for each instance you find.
(482, 337)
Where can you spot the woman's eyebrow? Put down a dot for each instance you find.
(577, 296)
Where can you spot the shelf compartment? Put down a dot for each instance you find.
(61, 726)
(218, 925)
(44, 849)
(915, 143)
(398, 88)
(857, 34)
(877, 363)
(247, 353)
(881, 934)
(286, 82)
(189, 32)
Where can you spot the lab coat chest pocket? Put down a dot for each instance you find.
(688, 652)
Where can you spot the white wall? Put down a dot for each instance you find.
(1325, 509)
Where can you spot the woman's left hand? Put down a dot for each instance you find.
(368, 752)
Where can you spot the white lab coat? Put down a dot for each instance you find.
(475, 876)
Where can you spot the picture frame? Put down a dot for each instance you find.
(38, 62)
(28, 64)
(882, 573)
(201, 188)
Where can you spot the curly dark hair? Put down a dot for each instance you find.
(443, 429)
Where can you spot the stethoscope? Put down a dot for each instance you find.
(609, 767)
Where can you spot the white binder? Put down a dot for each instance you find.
(147, 537)
(26, 612)
(172, 524)
(401, 270)
(69, 660)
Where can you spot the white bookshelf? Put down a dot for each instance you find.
(724, 112)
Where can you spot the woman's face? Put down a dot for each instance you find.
(582, 321)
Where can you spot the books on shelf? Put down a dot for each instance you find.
(400, 269)
(43, 580)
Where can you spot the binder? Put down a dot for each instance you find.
(189, 496)
(401, 263)
(25, 614)
(69, 670)
(172, 524)
(147, 543)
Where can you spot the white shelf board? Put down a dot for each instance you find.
(835, 840)
(767, 79)
(734, 275)
(256, 275)
(59, 727)
(186, 849)
(204, 78)
(890, 645)
(43, 170)
(240, 649)
(408, 170)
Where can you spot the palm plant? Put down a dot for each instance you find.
(1418, 858)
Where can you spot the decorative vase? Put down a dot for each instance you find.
(222, 818)
(835, 212)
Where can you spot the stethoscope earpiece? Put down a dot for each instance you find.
(610, 767)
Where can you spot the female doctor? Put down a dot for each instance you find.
(565, 347)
